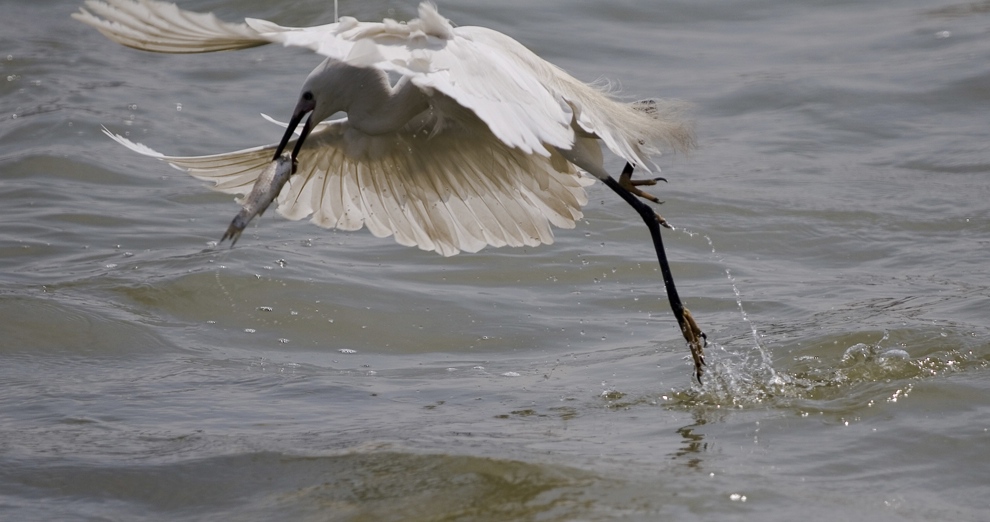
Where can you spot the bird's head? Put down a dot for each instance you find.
(325, 92)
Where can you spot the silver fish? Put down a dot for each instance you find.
(265, 190)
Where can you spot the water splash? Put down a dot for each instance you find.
(745, 377)
(736, 378)
(218, 257)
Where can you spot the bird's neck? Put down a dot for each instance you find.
(381, 109)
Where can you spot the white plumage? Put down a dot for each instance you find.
(479, 142)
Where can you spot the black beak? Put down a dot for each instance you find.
(304, 107)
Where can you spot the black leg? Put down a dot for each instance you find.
(695, 338)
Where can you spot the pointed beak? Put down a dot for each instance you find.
(303, 108)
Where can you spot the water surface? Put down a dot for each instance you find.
(832, 232)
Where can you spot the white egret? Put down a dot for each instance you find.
(477, 142)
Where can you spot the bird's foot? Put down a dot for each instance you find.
(662, 221)
(697, 340)
(626, 181)
(647, 182)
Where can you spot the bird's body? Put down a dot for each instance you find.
(454, 137)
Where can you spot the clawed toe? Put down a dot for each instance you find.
(697, 340)
(625, 179)
(662, 221)
(649, 182)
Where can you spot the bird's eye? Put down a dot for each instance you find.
(308, 96)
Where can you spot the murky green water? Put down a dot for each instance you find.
(832, 240)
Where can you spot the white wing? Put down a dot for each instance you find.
(526, 102)
(490, 176)
(151, 25)
(450, 192)
(435, 56)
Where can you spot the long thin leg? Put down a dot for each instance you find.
(695, 338)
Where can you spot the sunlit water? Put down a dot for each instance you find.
(832, 238)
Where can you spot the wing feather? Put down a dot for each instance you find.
(441, 193)
(152, 25)
(526, 102)
(489, 172)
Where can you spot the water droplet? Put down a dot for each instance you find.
(178, 106)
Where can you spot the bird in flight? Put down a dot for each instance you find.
(446, 138)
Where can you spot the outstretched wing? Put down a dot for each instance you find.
(445, 193)
(151, 25)
(526, 102)
(502, 91)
